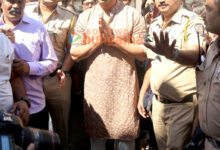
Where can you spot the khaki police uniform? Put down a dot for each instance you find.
(59, 26)
(208, 87)
(174, 85)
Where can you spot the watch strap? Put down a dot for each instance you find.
(176, 53)
(26, 100)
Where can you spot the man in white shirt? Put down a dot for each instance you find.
(12, 93)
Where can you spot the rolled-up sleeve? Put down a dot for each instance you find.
(192, 33)
(78, 36)
(139, 29)
(48, 61)
(139, 32)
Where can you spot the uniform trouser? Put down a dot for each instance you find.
(209, 146)
(58, 103)
(99, 144)
(172, 124)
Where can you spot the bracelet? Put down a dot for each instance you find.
(176, 53)
(26, 100)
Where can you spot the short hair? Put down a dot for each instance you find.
(198, 8)
(84, 0)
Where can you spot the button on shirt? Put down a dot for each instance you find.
(169, 79)
(59, 25)
(33, 45)
(208, 88)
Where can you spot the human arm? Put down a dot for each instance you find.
(188, 53)
(144, 88)
(68, 62)
(132, 50)
(130, 45)
(9, 33)
(81, 49)
(43, 64)
(189, 56)
(83, 52)
(19, 92)
(16, 82)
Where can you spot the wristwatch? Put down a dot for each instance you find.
(176, 53)
(65, 71)
(26, 100)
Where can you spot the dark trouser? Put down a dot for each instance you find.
(39, 120)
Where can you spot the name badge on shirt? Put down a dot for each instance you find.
(200, 29)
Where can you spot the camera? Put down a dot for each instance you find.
(145, 10)
(14, 136)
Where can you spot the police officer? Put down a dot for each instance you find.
(173, 80)
(59, 23)
(208, 81)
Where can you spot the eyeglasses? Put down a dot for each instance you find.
(89, 3)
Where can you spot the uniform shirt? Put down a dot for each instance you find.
(6, 60)
(59, 25)
(208, 87)
(33, 45)
(168, 78)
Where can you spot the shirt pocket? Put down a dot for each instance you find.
(216, 79)
(58, 36)
(5, 68)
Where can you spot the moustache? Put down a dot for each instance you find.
(14, 11)
(162, 4)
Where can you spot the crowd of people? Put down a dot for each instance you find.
(113, 67)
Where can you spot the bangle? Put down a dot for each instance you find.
(176, 53)
(26, 100)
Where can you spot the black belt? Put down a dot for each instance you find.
(214, 142)
(188, 98)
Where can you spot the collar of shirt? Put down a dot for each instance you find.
(177, 18)
(25, 19)
(55, 11)
(213, 52)
(113, 10)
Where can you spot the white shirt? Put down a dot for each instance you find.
(6, 60)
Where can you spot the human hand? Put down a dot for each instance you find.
(9, 33)
(23, 111)
(107, 35)
(31, 146)
(61, 77)
(162, 46)
(142, 111)
(20, 66)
